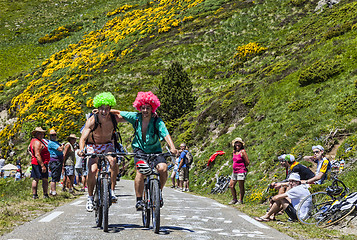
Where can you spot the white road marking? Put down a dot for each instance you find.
(77, 202)
(220, 205)
(228, 221)
(50, 217)
(251, 220)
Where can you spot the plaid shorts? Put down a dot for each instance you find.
(100, 148)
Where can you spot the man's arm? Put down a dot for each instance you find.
(85, 134)
(37, 147)
(118, 117)
(279, 196)
(66, 148)
(314, 179)
(171, 144)
(182, 158)
(309, 158)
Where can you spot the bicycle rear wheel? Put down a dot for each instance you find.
(310, 209)
(155, 199)
(105, 187)
(146, 209)
(98, 205)
(332, 217)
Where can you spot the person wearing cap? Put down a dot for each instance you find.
(97, 138)
(240, 164)
(183, 169)
(323, 165)
(149, 130)
(291, 165)
(56, 160)
(289, 200)
(69, 160)
(40, 157)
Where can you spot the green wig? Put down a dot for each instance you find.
(105, 98)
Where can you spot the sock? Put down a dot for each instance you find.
(91, 197)
(139, 199)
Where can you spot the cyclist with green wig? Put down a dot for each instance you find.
(97, 138)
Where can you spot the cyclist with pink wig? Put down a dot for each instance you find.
(149, 130)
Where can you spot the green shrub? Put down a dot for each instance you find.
(338, 30)
(348, 105)
(297, 2)
(299, 104)
(60, 33)
(319, 72)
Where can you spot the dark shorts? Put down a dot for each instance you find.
(159, 159)
(36, 172)
(56, 170)
(79, 171)
(291, 212)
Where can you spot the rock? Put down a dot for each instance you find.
(321, 4)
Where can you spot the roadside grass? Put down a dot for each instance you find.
(295, 230)
(18, 207)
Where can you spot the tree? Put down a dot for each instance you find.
(175, 93)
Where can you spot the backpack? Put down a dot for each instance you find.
(189, 158)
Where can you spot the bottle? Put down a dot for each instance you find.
(342, 164)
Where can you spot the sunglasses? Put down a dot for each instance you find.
(316, 152)
(53, 134)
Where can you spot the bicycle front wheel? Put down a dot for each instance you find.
(146, 209)
(311, 208)
(335, 215)
(155, 199)
(105, 187)
(97, 205)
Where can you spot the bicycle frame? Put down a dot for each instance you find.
(152, 195)
(102, 193)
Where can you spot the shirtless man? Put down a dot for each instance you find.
(99, 140)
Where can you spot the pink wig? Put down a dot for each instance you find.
(146, 98)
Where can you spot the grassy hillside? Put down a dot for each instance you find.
(276, 73)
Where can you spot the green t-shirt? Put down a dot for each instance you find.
(152, 143)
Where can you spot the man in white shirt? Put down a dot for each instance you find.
(289, 200)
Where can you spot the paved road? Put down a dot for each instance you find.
(184, 216)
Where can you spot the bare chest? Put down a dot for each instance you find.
(103, 133)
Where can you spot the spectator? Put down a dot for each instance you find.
(323, 165)
(69, 158)
(56, 160)
(288, 201)
(18, 165)
(40, 158)
(175, 174)
(183, 169)
(288, 162)
(2, 164)
(79, 169)
(17, 175)
(240, 164)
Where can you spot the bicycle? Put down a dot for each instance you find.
(320, 202)
(221, 185)
(102, 193)
(152, 194)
